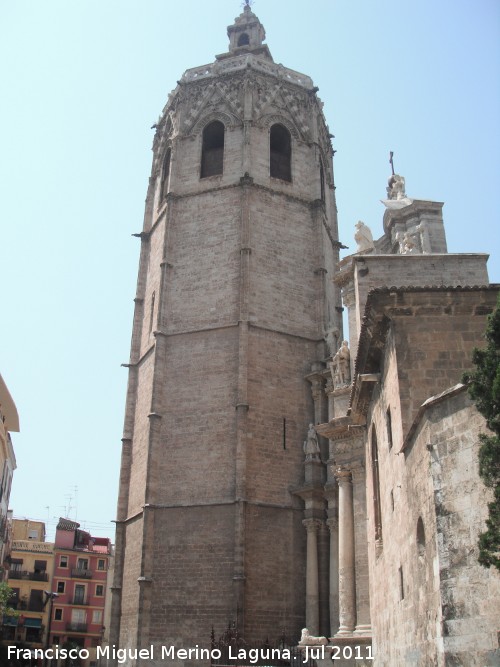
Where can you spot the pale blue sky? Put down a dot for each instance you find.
(82, 82)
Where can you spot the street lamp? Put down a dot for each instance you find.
(49, 595)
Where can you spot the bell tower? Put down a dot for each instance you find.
(233, 308)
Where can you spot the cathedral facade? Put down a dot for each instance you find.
(275, 476)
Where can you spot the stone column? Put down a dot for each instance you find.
(363, 625)
(347, 584)
(333, 526)
(312, 588)
(324, 580)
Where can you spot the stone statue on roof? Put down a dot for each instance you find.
(396, 187)
(340, 366)
(363, 237)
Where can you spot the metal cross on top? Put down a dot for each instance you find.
(391, 154)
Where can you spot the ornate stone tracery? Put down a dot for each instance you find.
(270, 120)
(227, 120)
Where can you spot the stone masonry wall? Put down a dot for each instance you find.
(430, 601)
(404, 590)
(469, 592)
(374, 271)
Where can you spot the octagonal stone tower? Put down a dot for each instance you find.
(234, 304)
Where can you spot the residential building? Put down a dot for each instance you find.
(81, 564)
(29, 576)
(9, 421)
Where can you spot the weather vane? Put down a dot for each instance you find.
(247, 3)
(391, 155)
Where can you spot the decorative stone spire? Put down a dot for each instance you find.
(246, 35)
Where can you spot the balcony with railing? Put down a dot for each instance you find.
(80, 600)
(31, 576)
(76, 627)
(81, 573)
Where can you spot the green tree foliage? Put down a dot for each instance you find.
(5, 596)
(484, 389)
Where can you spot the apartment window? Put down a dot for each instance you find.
(33, 634)
(78, 616)
(33, 535)
(82, 564)
(212, 152)
(63, 561)
(280, 148)
(16, 565)
(101, 564)
(99, 590)
(58, 613)
(97, 616)
(36, 601)
(60, 586)
(79, 594)
(40, 566)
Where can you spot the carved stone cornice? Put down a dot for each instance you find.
(335, 429)
(361, 395)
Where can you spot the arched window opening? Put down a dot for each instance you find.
(322, 180)
(420, 537)
(377, 513)
(281, 153)
(212, 152)
(243, 39)
(165, 173)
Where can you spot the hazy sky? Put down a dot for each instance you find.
(82, 83)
